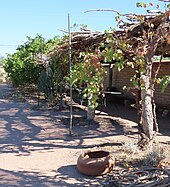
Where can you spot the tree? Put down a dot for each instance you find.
(143, 36)
(22, 66)
(88, 77)
(87, 72)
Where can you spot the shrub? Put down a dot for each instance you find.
(22, 66)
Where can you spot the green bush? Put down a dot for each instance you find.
(22, 66)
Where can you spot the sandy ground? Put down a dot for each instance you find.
(36, 149)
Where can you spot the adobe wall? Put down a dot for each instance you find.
(121, 79)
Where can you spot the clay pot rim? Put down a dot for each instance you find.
(106, 153)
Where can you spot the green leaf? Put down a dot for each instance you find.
(139, 4)
(164, 83)
(120, 65)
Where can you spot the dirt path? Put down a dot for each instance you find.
(36, 150)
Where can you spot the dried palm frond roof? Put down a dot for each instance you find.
(161, 26)
(89, 40)
(85, 41)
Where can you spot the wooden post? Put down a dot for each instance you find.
(70, 65)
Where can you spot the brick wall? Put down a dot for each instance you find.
(106, 77)
(121, 79)
(163, 99)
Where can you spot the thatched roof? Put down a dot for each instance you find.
(89, 40)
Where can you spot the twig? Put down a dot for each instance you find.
(106, 10)
(147, 176)
(110, 10)
(63, 31)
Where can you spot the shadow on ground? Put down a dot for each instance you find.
(70, 176)
(66, 177)
(23, 129)
(23, 178)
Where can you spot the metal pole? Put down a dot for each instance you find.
(70, 64)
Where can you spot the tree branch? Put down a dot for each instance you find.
(106, 10)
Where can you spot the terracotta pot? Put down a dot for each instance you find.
(95, 162)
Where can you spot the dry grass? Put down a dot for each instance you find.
(129, 156)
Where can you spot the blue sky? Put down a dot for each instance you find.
(21, 18)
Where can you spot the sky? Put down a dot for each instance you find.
(22, 18)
